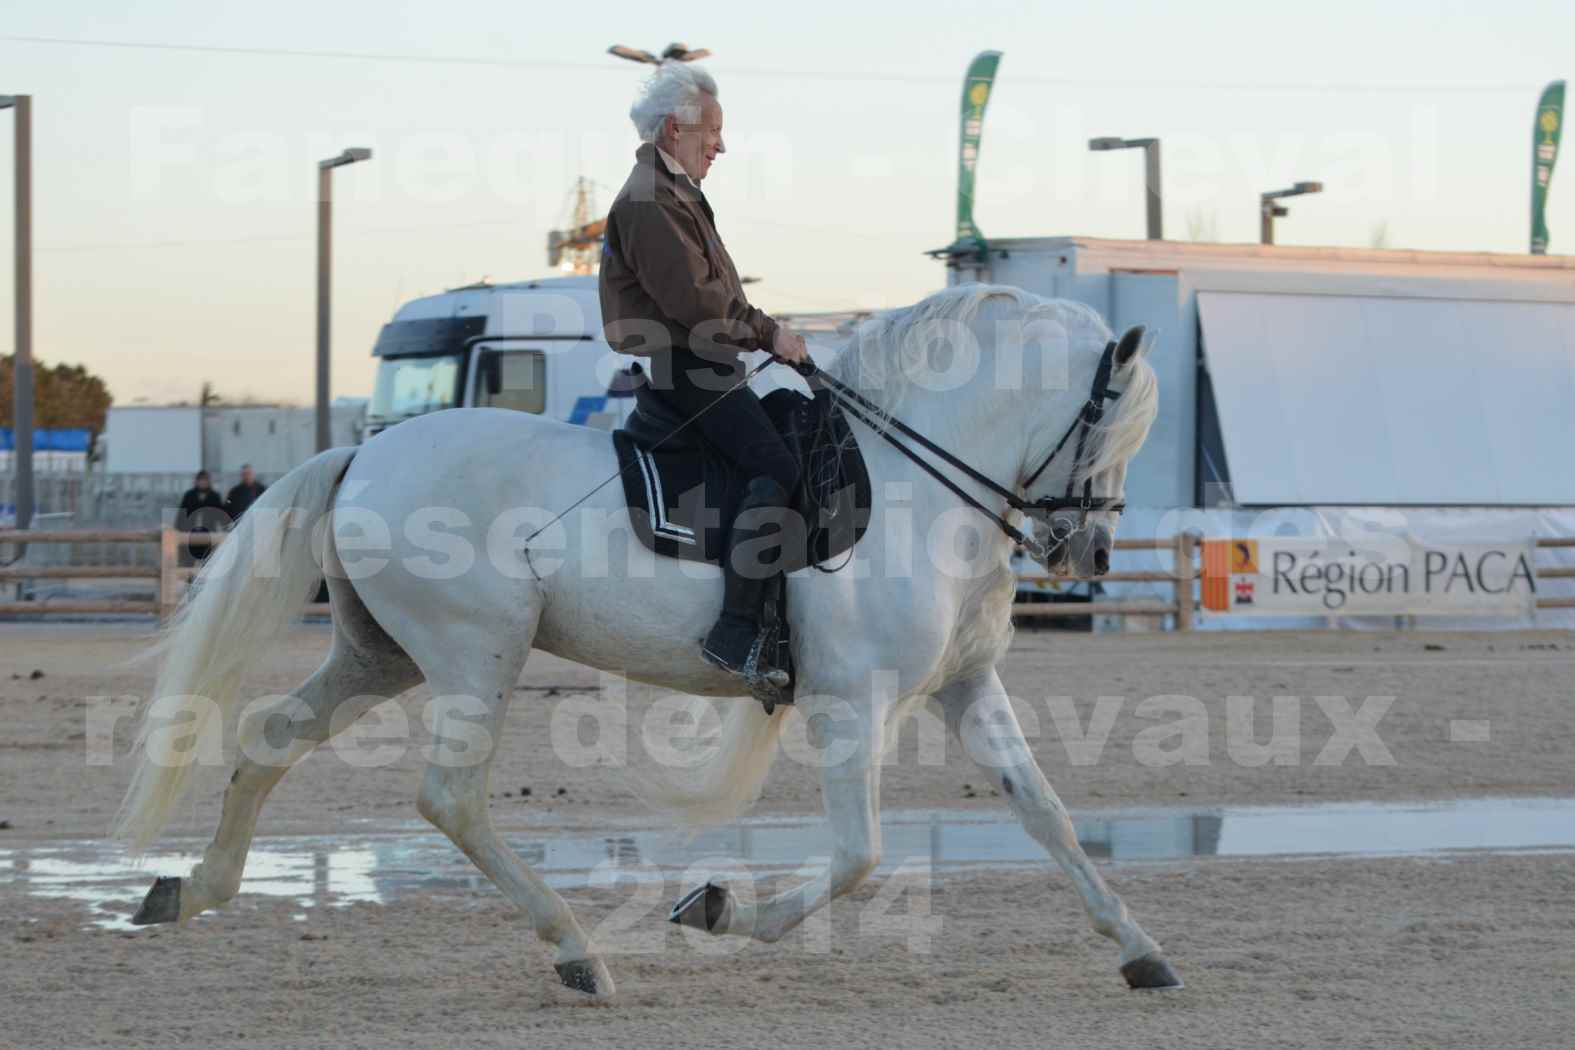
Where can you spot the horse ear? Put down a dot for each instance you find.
(1131, 342)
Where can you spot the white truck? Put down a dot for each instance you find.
(533, 346)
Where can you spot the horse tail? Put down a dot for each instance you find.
(246, 595)
(728, 779)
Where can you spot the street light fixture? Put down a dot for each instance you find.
(325, 226)
(1150, 148)
(1268, 211)
(22, 359)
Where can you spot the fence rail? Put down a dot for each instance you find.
(1181, 606)
(1555, 572)
(172, 577)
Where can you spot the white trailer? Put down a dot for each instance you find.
(153, 439)
(182, 439)
(1332, 376)
(1333, 391)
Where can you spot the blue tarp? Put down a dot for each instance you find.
(54, 440)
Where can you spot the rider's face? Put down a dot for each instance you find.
(695, 145)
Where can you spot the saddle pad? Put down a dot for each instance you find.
(680, 497)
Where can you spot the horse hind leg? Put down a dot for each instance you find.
(475, 691)
(363, 669)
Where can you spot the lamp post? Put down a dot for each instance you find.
(1150, 148)
(1268, 211)
(22, 358)
(325, 231)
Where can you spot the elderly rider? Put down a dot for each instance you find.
(670, 293)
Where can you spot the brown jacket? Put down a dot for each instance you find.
(666, 279)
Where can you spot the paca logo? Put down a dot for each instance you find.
(1244, 556)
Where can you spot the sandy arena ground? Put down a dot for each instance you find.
(1469, 950)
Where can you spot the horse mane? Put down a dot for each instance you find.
(885, 355)
(1122, 432)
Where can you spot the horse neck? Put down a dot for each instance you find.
(979, 425)
(992, 426)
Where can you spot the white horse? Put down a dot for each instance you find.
(994, 375)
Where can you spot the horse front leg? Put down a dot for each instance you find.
(980, 715)
(848, 739)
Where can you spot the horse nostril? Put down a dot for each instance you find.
(1101, 561)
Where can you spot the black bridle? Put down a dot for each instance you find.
(1092, 412)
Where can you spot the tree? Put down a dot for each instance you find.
(64, 397)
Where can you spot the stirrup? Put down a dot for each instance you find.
(764, 682)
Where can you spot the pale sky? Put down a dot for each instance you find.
(174, 215)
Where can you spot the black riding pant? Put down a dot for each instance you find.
(729, 416)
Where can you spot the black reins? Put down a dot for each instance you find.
(1092, 412)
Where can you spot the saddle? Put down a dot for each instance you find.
(683, 492)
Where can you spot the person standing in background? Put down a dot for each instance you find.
(242, 496)
(201, 510)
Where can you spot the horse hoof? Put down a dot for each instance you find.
(586, 975)
(1151, 972)
(709, 908)
(162, 904)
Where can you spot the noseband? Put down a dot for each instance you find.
(1092, 412)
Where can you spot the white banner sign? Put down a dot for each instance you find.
(1287, 576)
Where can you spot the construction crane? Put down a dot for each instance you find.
(674, 53)
(577, 248)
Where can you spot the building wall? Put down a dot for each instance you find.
(184, 439)
(154, 440)
(1157, 283)
(1161, 474)
(274, 440)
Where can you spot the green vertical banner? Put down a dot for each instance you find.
(975, 96)
(1544, 151)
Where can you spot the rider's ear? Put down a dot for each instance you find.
(1131, 342)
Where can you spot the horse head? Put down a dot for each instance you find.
(1077, 491)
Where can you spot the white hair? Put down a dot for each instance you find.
(673, 90)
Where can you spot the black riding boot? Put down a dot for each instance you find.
(745, 577)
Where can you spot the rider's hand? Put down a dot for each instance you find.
(789, 346)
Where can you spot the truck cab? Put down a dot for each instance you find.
(531, 346)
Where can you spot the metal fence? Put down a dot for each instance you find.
(101, 502)
(161, 549)
(160, 562)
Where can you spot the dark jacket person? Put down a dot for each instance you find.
(242, 496)
(201, 510)
(670, 292)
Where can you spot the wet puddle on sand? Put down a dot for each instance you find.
(385, 866)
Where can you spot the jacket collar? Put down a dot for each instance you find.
(650, 172)
(672, 164)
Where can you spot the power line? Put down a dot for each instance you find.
(797, 74)
(523, 224)
(280, 52)
(220, 242)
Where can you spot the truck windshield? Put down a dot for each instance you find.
(411, 386)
